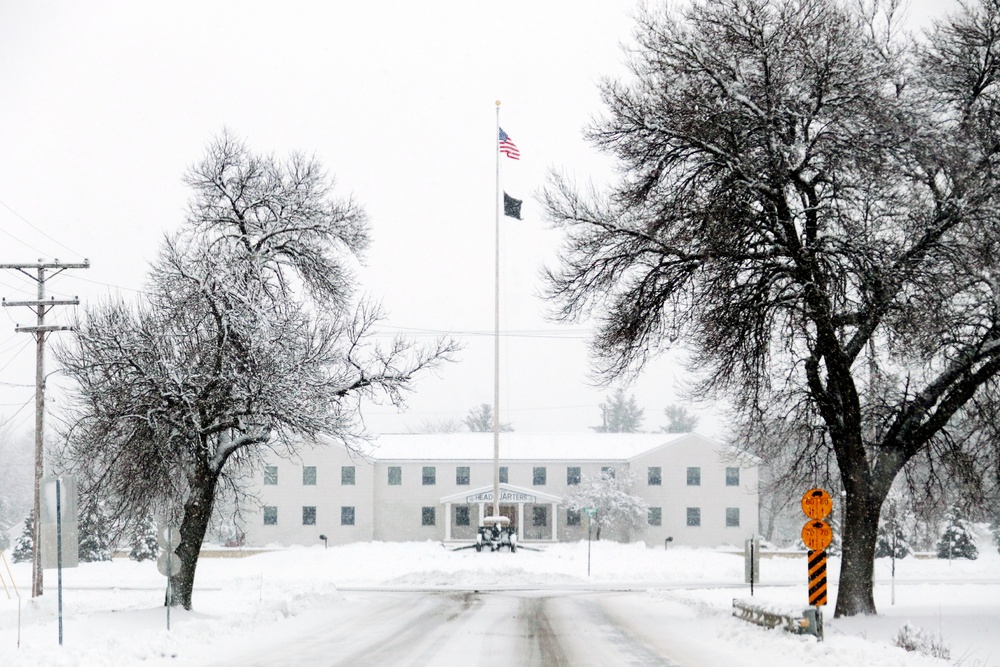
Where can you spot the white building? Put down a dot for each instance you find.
(438, 486)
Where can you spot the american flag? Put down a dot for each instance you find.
(507, 146)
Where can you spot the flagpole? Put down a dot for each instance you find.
(496, 327)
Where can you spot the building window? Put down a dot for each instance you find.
(270, 516)
(655, 516)
(503, 474)
(538, 476)
(539, 515)
(309, 475)
(732, 476)
(694, 476)
(347, 475)
(429, 477)
(694, 516)
(427, 515)
(347, 516)
(572, 476)
(655, 476)
(572, 517)
(608, 471)
(395, 475)
(308, 516)
(732, 517)
(462, 515)
(270, 474)
(462, 475)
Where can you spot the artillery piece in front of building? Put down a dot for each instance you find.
(495, 532)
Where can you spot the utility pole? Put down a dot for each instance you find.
(41, 307)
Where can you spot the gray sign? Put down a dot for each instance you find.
(48, 529)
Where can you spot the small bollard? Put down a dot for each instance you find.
(667, 541)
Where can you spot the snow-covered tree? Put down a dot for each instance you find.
(806, 201)
(679, 420)
(94, 531)
(145, 545)
(23, 547)
(480, 420)
(893, 530)
(959, 539)
(248, 341)
(16, 482)
(610, 493)
(620, 414)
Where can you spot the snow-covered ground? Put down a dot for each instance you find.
(113, 613)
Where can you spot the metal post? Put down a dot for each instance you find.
(59, 553)
(590, 524)
(496, 327)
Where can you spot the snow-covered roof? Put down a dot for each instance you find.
(522, 446)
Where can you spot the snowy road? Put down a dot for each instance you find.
(471, 629)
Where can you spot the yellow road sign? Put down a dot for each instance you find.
(816, 503)
(817, 535)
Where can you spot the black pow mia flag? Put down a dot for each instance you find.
(511, 206)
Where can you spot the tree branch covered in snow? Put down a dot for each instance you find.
(249, 341)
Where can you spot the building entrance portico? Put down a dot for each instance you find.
(512, 502)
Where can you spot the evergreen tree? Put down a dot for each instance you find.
(681, 421)
(892, 541)
(144, 543)
(94, 531)
(959, 539)
(480, 420)
(24, 546)
(620, 414)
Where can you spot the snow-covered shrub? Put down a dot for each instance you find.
(959, 539)
(912, 638)
(25, 543)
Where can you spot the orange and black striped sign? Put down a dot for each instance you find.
(817, 578)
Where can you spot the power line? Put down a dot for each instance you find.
(27, 222)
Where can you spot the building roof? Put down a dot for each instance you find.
(523, 446)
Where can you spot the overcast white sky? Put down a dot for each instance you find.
(104, 104)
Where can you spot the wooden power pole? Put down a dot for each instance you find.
(41, 307)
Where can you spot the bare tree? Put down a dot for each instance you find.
(249, 342)
(809, 202)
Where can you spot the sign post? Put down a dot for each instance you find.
(591, 512)
(168, 563)
(751, 570)
(58, 530)
(817, 535)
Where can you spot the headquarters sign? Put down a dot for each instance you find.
(505, 497)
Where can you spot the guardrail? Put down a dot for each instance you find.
(807, 621)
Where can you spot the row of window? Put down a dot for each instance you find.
(654, 475)
(539, 516)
